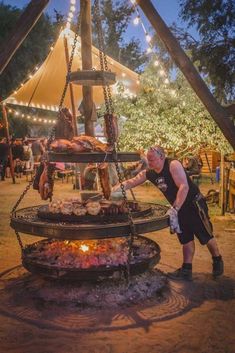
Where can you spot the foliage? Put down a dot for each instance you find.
(166, 114)
(215, 48)
(32, 51)
(115, 17)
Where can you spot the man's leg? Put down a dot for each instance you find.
(188, 252)
(185, 272)
(218, 264)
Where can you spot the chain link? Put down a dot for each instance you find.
(110, 111)
(52, 134)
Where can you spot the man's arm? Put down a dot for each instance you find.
(180, 179)
(131, 183)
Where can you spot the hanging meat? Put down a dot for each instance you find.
(111, 128)
(44, 180)
(78, 144)
(64, 126)
(104, 179)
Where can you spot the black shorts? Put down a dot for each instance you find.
(191, 224)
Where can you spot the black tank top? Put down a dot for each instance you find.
(166, 184)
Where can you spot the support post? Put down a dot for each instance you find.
(218, 113)
(4, 113)
(20, 31)
(71, 88)
(86, 51)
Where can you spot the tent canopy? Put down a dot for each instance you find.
(44, 89)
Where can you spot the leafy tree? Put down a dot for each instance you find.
(32, 51)
(215, 48)
(169, 114)
(115, 17)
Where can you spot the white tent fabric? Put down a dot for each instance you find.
(44, 89)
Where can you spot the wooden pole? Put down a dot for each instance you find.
(218, 113)
(86, 50)
(21, 29)
(222, 184)
(71, 88)
(4, 113)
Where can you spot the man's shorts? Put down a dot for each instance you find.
(191, 224)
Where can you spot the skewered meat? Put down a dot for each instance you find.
(104, 179)
(46, 181)
(54, 206)
(38, 176)
(111, 128)
(64, 126)
(66, 207)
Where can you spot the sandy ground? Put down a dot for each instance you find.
(191, 317)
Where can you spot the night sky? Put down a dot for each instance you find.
(168, 9)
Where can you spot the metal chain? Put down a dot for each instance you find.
(110, 110)
(52, 134)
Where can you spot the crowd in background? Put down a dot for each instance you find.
(25, 154)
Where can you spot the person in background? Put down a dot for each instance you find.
(192, 165)
(188, 213)
(38, 150)
(4, 152)
(28, 155)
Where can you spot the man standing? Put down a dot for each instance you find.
(189, 209)
(4, 152)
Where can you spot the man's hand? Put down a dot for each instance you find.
(173, 221)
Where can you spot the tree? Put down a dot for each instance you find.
(215, 48)
(32, 51)
(169, 114)
(115, 17)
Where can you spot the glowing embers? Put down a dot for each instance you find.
(90, 259)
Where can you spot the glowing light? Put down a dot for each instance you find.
(15, 92)
(51, 48)
(123, 74)
(133, 2)
(148, 38)
(39, 119)
(53, 121)
(30, 76)
(10, 110)
(138, 82)
(22, 115)
(70, 15)
(166, 81)
(45, 121)
(22, 84)
(161, 72)
(28, 116)
(68, 25)
(36, 68)
(34, 119)
(72, 2)
(149, 50)
(136, 21)
(84, 248)
(72, 8)
(16, 113)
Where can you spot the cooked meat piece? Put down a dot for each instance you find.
(61, 145)
(46, 181)
(91, 143)
(111, 128)
(64, 126)
(104, 179)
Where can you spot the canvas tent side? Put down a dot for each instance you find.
(44, 89)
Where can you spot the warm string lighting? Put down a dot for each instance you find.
(138, 21)
(72, 10)
(30, 117)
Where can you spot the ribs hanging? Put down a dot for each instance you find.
(104, 179)
(111, 128)
(44, 180)
(64, 126)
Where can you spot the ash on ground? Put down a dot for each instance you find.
(106, 294)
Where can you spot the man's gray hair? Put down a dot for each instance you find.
(158, 150)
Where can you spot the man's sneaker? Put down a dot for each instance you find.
(217, 267)
(182, 274)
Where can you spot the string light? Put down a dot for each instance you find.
(148, 38)
(136, 20)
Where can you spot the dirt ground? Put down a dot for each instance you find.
(192, 317)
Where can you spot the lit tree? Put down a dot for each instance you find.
(167, 113)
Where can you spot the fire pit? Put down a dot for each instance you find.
(91, 259)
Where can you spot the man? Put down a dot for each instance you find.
(188, 207)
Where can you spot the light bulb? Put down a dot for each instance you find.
(136, 21)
